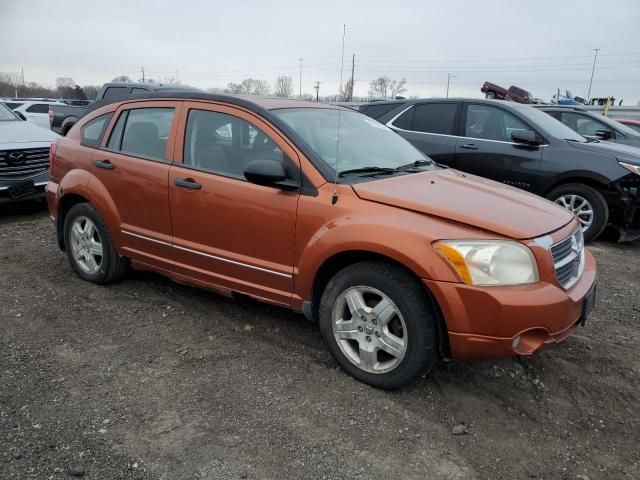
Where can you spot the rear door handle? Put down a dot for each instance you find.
(105, 164)
(187, 183)
(469, 146)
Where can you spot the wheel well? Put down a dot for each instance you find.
(65, 205)
(66, 128)
(342, 260)
(583, 180)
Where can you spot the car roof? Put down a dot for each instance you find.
(251, 102)
(486, 101)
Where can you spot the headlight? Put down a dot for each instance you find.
(489, 262)
(632, 168)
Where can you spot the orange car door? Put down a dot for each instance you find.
(133, 164)
(227, 231)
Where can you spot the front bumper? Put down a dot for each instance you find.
(492, 322)
(39, 182)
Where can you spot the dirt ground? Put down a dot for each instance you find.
(150, 379)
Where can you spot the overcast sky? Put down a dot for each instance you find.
(539, 45)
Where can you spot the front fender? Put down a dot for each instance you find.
(389, 235)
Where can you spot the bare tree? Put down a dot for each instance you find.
(65, 87)
(347, 91)
(247, 85)
(122, 78)
(283, 86)
(233, 88)
(91, 91)
(384, 87)
(63, 82)
(261, 87)
(397, 87)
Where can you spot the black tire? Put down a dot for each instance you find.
(410, 299)
(112, 266)
(595, 199)
(490, 95)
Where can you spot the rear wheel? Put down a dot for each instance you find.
(89, 246)
(378, 325)
(490, 95)
(586, 203)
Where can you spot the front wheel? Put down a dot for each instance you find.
(490, 95)
(378, 325)
(586, 203)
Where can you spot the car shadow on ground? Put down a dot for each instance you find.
(14, 211)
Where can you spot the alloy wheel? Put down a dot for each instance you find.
(86, 245)
(369, 329)
(580, 207)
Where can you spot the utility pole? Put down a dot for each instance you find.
(449, 77)
(300, 83)
(344, 33)
(142, 74)
(353, 69)
(317, 89)
(592, 72)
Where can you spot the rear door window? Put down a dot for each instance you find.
(143, 132)
(435, 118)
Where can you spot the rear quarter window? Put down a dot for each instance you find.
(376, 111)
(112, 92)
(38, 108)
(93, 131)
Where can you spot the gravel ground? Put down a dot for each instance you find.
(150, 379)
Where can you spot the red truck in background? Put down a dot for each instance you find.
(513, 93)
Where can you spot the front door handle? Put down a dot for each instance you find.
(469, 146)
(187, 183)
(105, 164)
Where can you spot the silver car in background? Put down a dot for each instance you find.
(24, 157)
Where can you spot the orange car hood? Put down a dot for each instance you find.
(470, 200)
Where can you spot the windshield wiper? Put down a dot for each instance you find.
(417, 163)
(369, 170)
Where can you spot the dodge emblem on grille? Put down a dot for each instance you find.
(16, 158)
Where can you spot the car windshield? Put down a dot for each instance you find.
(551, 126)
(347, 140)
(6, 113)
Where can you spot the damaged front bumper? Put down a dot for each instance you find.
(628, 224)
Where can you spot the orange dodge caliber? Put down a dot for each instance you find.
(327, 212)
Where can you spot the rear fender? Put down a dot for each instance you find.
(88, 186)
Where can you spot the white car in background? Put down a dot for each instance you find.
(24, 157)
(36, 111)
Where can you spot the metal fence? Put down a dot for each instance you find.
(617, 112)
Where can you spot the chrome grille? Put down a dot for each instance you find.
(568, 259)
(23, 163)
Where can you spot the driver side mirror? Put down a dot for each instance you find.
(526, 137)
(20, 115)
(270, 173)
(604, 134)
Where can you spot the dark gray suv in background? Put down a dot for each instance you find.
(526, 148)
(592, 125)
